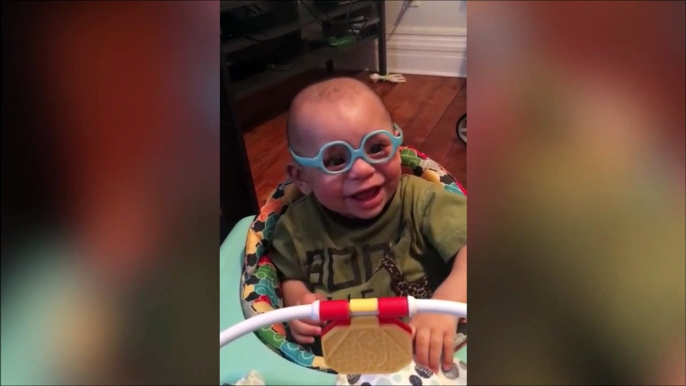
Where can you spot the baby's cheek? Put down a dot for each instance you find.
(392, 170)
(329, 193)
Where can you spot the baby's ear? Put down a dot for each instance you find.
(296, 175)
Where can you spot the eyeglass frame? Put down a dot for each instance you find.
(317, 161)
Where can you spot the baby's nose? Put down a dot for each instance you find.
(361, 168)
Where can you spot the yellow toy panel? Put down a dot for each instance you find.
(367, 345)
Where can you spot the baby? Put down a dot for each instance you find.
(363, 230)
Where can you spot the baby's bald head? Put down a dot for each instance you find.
(337, 99)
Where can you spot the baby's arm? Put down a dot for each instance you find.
(293, 280)
(434, 333)
(296, 293)
(293, 292)
(454, 288)
(444, 225)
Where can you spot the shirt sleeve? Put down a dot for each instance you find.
(444, 220)
(284, 254)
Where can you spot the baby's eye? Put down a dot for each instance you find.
(376, 148)
(335, 161)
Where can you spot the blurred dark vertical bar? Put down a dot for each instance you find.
(28, 191)
(382, 37)
(238, 198)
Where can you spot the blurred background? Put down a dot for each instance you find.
(576, 205)
(110, 192)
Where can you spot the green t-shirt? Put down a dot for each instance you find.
(405, 251)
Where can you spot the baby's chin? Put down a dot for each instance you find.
(366, 215)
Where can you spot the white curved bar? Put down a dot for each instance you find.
(432, 306)
(311, 311)
(262, 320)
(314, 311)
(411, 306)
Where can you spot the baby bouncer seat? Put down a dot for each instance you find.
(250, 287)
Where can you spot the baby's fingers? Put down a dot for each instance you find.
(448, 350)
(435, 351)
(421, 346)
(303, 332)
(313, 322)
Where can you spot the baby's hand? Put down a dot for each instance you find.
(304, 330)
(434, 335)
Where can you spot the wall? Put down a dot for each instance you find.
(430, 39)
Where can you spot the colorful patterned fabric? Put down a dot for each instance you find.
(260, 286)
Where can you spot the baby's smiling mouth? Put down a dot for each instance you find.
(366, 194)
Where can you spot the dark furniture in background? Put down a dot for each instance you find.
(264, 43)
(237, 192)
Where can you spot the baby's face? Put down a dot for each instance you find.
(362, 191)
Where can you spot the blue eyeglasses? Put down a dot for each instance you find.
(338, 156)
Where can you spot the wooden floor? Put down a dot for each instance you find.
(425, 107)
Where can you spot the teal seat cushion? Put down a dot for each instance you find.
(248, 352)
